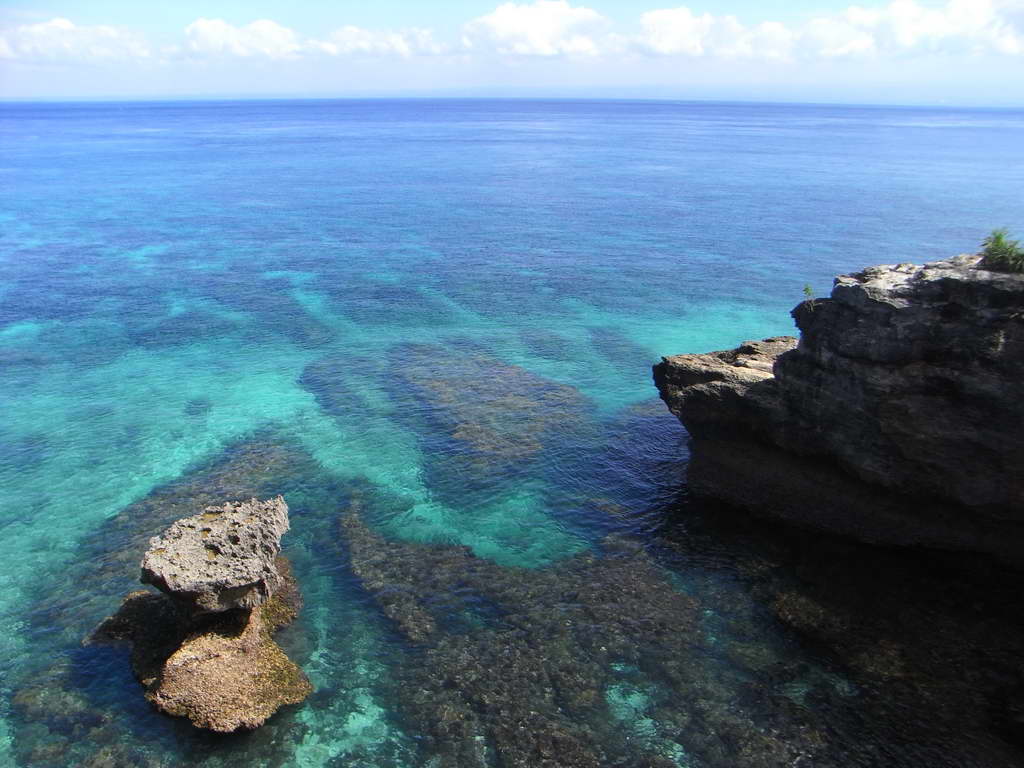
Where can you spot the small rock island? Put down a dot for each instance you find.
(203, 649)
(896, 418)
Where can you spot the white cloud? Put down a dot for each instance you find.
(675, 30)
(961, 26)
(834, 37)
(262, 38)
(545, 28)
(770, 39)
(679, 31)
(903, 27)
(351, 40)
(60, 40)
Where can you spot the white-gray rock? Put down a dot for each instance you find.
(220, 559)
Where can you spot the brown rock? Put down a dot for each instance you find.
(229, 677)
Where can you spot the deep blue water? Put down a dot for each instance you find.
(445, 309)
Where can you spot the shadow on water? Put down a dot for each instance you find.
(626, 476)
(917, 654)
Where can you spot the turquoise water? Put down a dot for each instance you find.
(445, 311)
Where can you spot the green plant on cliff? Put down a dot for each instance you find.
(1001, 254)
(809, 297)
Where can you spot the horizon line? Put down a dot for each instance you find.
(193, 98)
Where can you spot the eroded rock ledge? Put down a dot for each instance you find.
(897, 417)
(204, 649)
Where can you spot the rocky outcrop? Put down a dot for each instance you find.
(896, 418)
(221, 559)
(204, 649)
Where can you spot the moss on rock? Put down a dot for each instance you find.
(224, 673)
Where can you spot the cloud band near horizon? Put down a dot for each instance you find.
(546, 30)
(554, 28)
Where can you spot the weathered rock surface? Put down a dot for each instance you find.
(58, 723)
(221, 559)
(897, 418)
(229, 676)
(204, 650)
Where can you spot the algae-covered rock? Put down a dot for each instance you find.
(498, 417)
(220, 559)
(204, 650)
(229, 676)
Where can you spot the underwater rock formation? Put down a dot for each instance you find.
(498, 417)
(204, 650)
(897, 417)
(596, 661)
(59, 721)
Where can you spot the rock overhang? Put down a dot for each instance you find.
(220, 559)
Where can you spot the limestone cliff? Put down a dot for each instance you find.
(898, 417)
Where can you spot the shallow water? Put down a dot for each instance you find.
(443, 314)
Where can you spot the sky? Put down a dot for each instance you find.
(968, 52)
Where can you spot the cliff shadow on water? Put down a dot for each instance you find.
(927, 645)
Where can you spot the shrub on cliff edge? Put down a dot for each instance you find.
(1000, 254)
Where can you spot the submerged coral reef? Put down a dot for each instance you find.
(712, 642)
(596, 661)
(499, 417)
(636, 655)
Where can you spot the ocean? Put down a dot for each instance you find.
(440, 316)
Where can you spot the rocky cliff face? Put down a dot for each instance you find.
(898, 416)
(204, 649)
